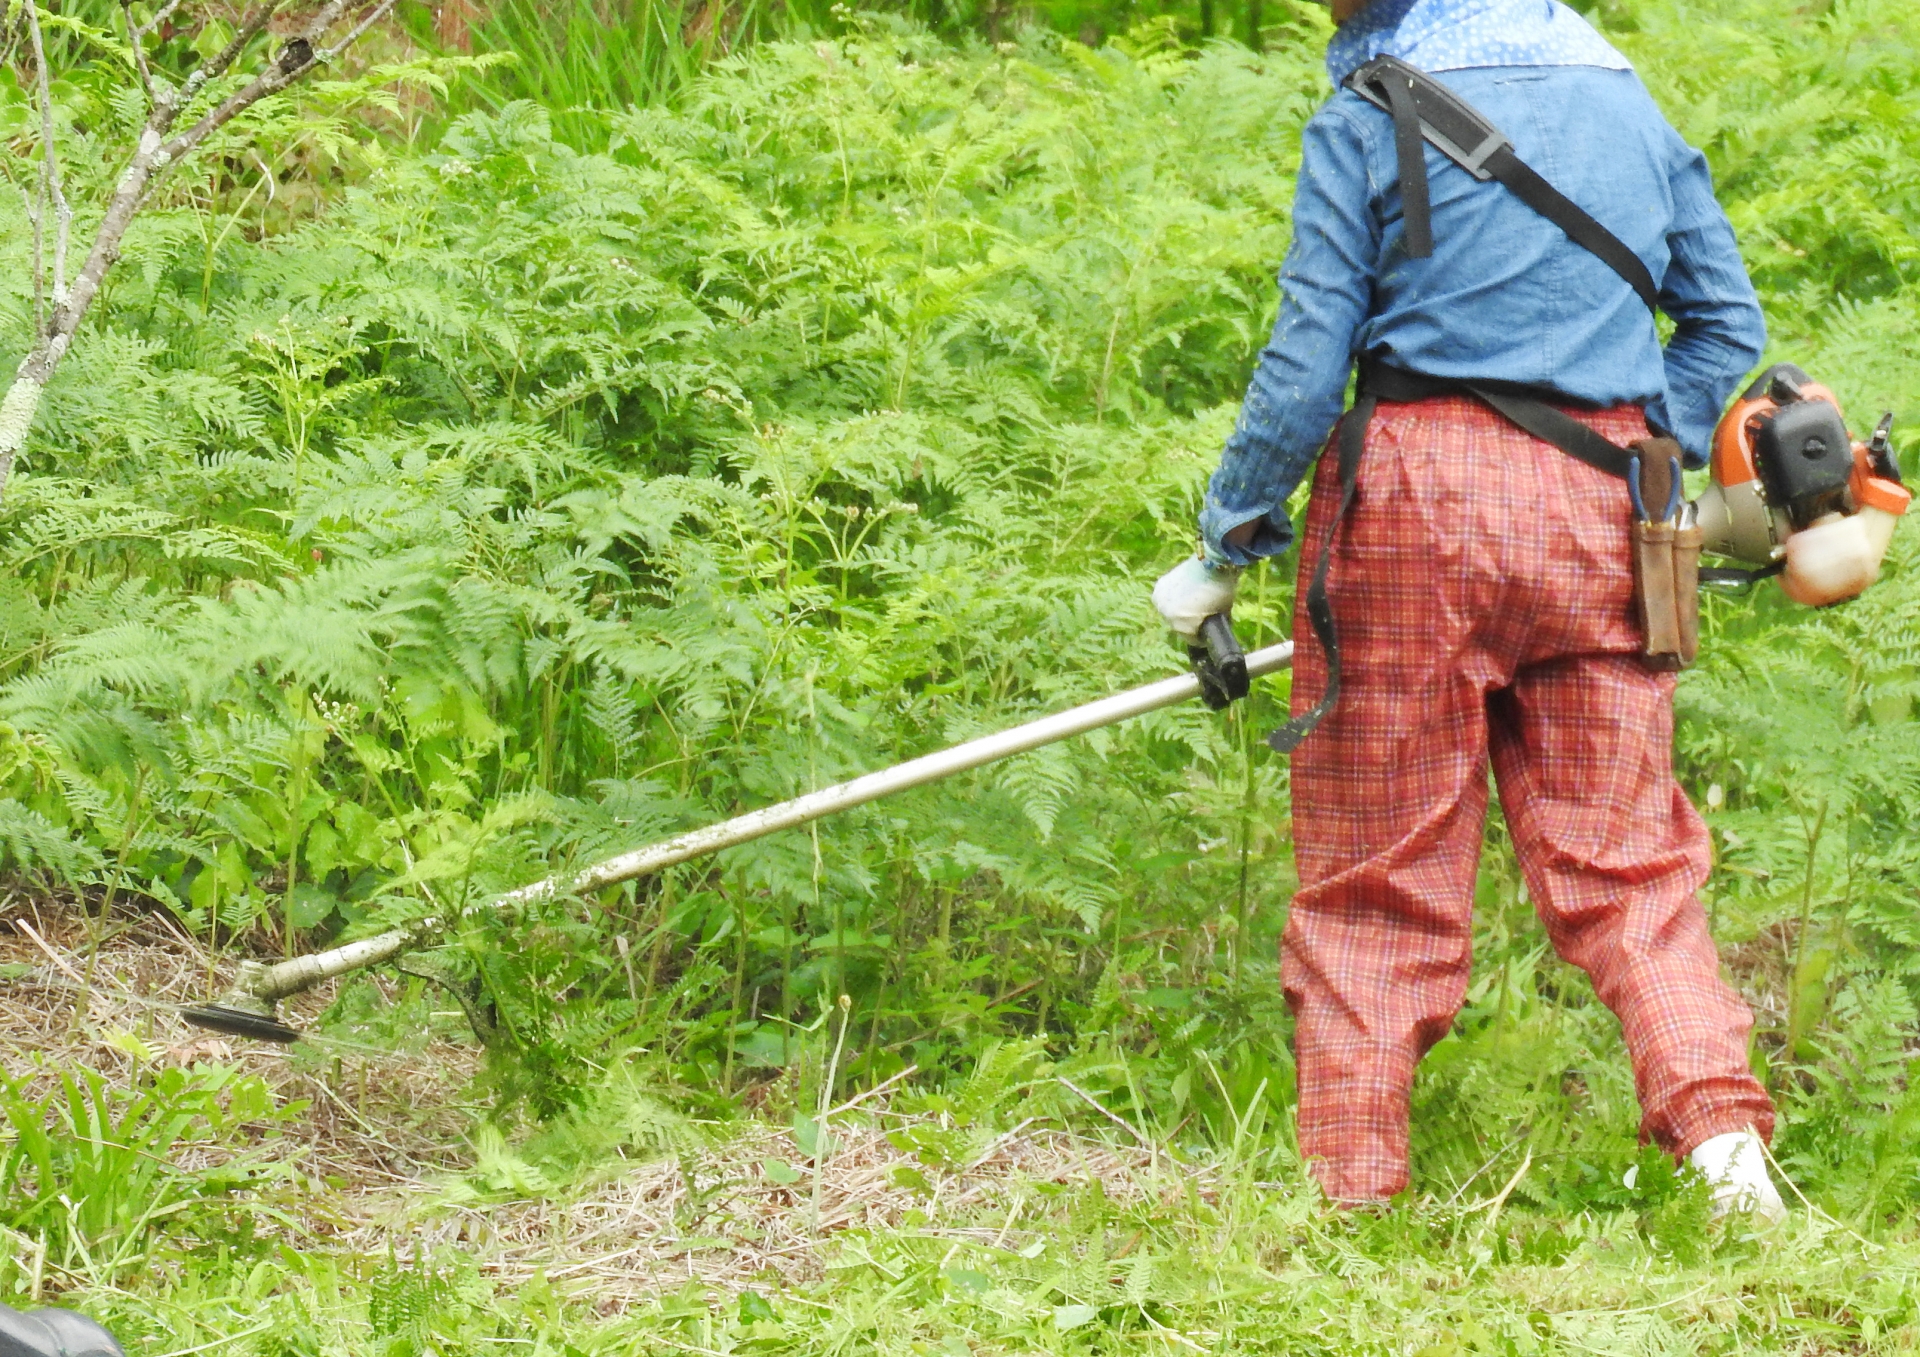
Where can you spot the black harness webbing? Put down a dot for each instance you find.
(1353, 441)
(1425, 110)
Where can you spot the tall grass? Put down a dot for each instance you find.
(576, 55)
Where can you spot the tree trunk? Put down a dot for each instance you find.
(16, 417)
(453, 23)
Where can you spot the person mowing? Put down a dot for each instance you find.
(1488, 213)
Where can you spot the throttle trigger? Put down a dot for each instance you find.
(1219, 663)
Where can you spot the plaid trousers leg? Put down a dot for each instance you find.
(1389, 798)
(1379, 940)
(1613, 853)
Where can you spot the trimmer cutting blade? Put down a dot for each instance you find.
(236, 1022)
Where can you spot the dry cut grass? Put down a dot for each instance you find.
(384, 1143)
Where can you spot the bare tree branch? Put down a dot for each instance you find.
(374, 16)
(296, 58)
(154, 154)
(152, 25)
(35, 201)
(134, 41)
(137, 41)
(216, 66)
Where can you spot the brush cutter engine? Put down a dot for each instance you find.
(1793, 492)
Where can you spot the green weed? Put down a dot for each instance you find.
(92, 1180)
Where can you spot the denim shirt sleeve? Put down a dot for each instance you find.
(1719, 331)
(1326, 287)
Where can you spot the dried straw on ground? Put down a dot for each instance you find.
(744, 1211)
(80, 987)
(386, 1138)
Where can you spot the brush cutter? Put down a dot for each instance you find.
(1795, 494)
(1221, 673)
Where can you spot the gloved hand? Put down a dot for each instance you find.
(1193, 591)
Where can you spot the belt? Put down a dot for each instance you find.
(1530, 408)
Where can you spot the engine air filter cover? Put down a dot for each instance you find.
(1805, 456)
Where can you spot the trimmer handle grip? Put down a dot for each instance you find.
(1218, 662)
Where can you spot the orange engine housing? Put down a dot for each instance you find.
(1734, 461)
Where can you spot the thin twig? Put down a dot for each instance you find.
(213, 69)
(1642, 1309)
(50, 171)
(373, 17)
(51, 955)
(1497, 1154)
(1162, 1331)
(139, 50)
(34, 215)
(153, 24)
(880, 1087)
(1812, 1210)
(1493, 1212)
(219, 1342)
(273, 187)
(137, 40)
(993, 1146)
(1113, 1117)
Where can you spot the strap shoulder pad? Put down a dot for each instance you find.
(1453, 126)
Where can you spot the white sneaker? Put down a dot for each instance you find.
(1736, 1166)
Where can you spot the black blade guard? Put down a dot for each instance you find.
(236, 1022)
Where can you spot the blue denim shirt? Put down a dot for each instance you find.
(1506, 295)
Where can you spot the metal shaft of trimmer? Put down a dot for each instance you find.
(257, 986)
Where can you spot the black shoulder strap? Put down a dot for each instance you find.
(1422, 107)
(1352, 442)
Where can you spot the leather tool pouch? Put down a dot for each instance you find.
(1686, 589)
(1666, 566)
(1653, 595)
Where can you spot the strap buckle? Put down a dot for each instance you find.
(1474, 162)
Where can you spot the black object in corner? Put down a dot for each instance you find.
(53, 1333)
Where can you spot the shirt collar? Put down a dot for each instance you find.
(1450, 35)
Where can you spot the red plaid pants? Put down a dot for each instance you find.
(1482, 591)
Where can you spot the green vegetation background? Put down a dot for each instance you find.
(436, 501)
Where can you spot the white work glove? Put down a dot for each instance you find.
(1735, 1165)
(1193, 591)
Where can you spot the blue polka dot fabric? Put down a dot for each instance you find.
(1452, 35)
